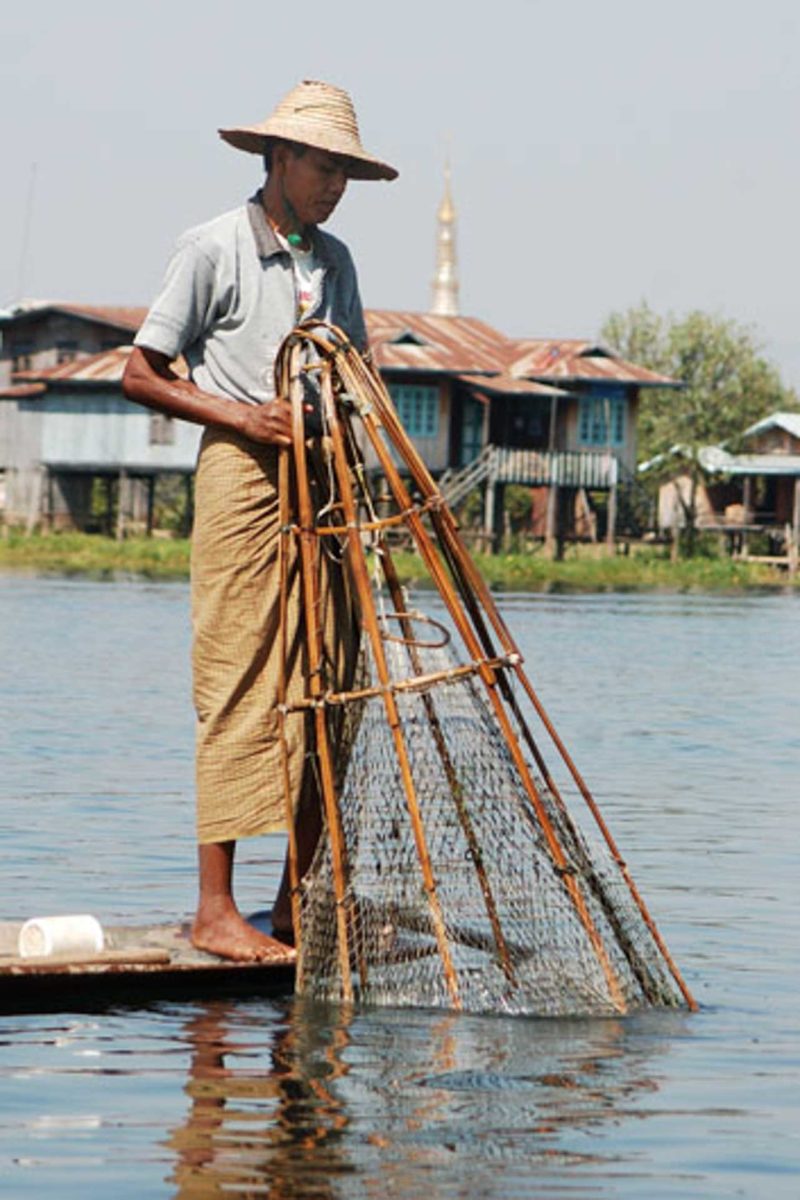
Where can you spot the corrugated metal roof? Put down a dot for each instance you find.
(126, 316)
(570, 360)
(788, 421)
(109, 366)
(106, 367)
(411, 341)
(715, 460)
(419, 342)
(400, 340)
(119, 316)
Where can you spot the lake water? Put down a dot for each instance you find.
(683, 712)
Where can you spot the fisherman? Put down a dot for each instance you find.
(234, 288)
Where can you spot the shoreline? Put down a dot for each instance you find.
(645, 569)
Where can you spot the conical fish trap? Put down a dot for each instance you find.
(452, 872)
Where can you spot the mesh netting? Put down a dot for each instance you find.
(516, 938)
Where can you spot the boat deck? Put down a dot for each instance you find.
(139, 964)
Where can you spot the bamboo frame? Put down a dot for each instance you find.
(283, 711)
(475, 616)
(309, 560)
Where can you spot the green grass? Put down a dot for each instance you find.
(646, 570)
(91, 554)
(582, 570)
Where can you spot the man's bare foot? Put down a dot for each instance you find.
(230, 936)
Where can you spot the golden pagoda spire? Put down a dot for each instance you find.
(445, 281)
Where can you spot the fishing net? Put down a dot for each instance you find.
(454, 872)
(526, 950)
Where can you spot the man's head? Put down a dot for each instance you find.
(305, 182)
(315, 115)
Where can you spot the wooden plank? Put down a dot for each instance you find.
(138, 965)
(64, 962)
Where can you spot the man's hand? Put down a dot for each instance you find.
(149, 379)
(269, 424)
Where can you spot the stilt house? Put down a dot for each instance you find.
(753, 493)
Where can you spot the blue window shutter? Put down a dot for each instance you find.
(417, 407)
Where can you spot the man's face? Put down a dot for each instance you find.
(313, 183)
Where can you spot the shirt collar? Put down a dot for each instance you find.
(266, 242)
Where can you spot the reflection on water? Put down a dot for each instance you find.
(295, 1108)
(682, 714)
(262, 1111)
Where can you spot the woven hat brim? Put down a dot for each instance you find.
(361, 165)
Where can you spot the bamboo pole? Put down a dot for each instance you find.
(309, 549)
(284, 547)
(360, 573)
(44, 964)
(378, 524)
(416, 683)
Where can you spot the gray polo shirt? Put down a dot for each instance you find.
(228, 300)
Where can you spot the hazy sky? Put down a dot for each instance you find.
(602, 153)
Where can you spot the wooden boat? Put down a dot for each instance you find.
(139, 964)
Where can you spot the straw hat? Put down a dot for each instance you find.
(313, 114)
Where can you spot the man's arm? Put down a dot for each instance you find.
(150, 380)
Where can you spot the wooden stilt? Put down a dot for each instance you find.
(611, 524)
(551, 527)
(151, 493)
(794, 542)
(122, 504)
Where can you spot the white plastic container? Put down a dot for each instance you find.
(78, 934)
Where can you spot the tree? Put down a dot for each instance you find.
(727, 385)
